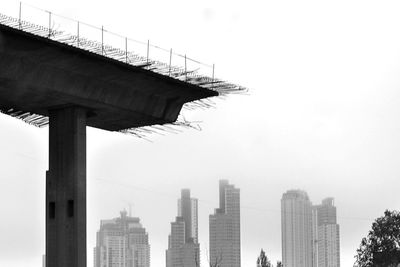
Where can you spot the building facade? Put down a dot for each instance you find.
(122, 242)
(225, 228)
(188, 209)
(296, 225)
(310, 234)
(326, 235)
(183, 247)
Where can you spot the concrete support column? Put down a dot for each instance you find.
(66, 189)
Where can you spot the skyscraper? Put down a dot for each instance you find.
(122, 242)
(296, 223)
(326, 235)
(187, 208)
(225, 227)
(183, 247)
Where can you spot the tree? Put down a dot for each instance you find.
(381, 248)
(263, 261)
(216, 262)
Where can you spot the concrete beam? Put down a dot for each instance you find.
(38, 74)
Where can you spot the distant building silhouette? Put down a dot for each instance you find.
(187, 208)
(326, 240)
(296, 221)
(122, 242)
(225, 227)
(183, 247)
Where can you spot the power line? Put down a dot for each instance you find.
(214, 204)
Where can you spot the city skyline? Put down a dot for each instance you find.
(315, 225)
(116, 246)
(323, 216)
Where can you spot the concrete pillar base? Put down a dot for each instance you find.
(66, 189)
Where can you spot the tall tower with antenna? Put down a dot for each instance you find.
(122, 241)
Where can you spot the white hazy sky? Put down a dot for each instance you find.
(322, 115)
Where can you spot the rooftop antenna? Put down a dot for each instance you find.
(130, 209)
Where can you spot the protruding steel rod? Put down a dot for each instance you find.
(126, 50)
(19, 16)
(78, 34)
(170, 61)
(49, 24)
(148, 48)
(185, 69)
(213, 70)
(102, 40)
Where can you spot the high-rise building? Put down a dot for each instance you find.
(310, 234)
(296, 223)
(122, 242)
(183, 247)
(326, 235)
(187, 208)
(225, 228)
